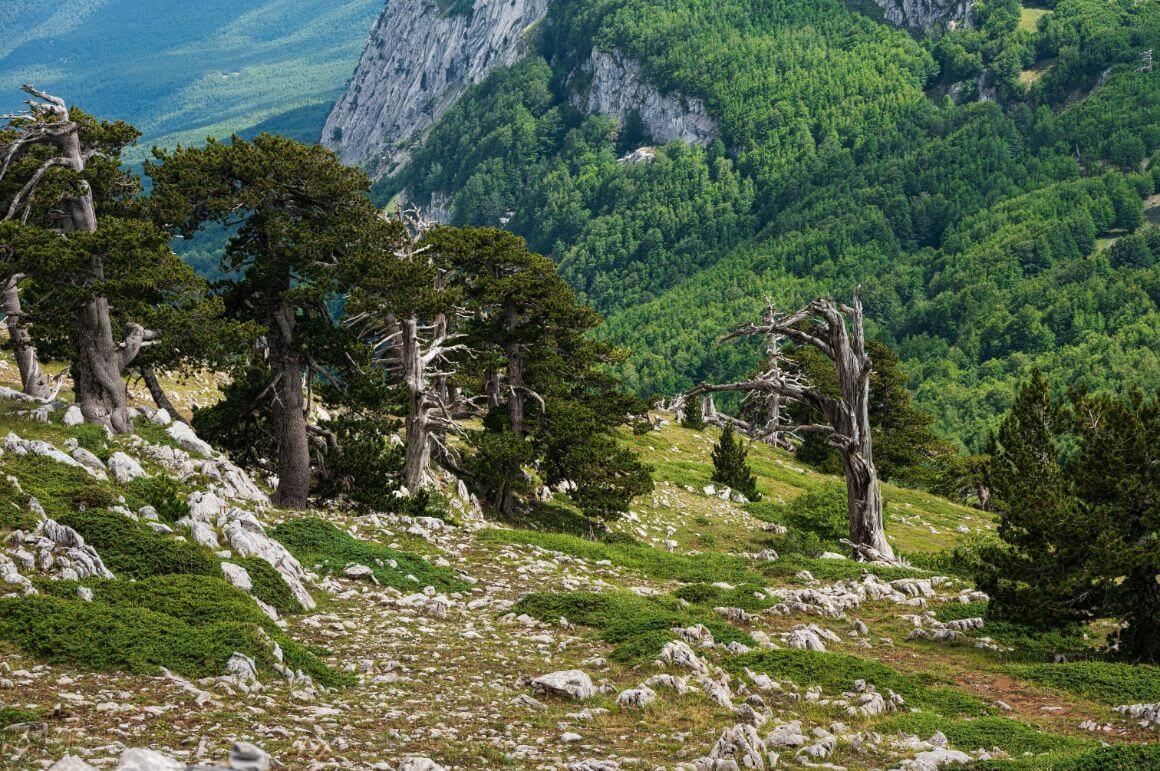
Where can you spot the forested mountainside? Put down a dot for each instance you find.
(180, 70)
(989, 180)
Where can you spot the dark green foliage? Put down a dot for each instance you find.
(1118, 757)
(317, 542)
(268, 585)
(1010, 736)
(906, 449)
(731, 465)
(822, 513)
(693, 418)
(189, 624)
(837, 672)
(362, 466)
(132, 550)
(164, 494)
(639, 626)
(1112, 683)
(13, 715)
(709, 596)
(1080, 507)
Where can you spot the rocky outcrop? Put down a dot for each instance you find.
(924, 14)
(618, 88)
(418, 61)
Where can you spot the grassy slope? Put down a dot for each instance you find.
(181, 70)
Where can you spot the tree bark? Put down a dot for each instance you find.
(33, 379)
(100, 390)
(417, 458)
(160, 398)
(515, 367)
(288, 413)
(823, 325)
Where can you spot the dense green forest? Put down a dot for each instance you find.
(989, 186)
(182, 70)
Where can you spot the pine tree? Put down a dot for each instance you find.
(731, 465)
(694, 416)
(1078, 529)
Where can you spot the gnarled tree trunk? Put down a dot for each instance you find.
(100, 390)
(823, 325)
(160, 398)
(33, 378)
(289, 414)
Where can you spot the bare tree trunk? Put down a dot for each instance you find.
(288, 413)
(160, 398)
(822, 325)
(33, 379)
(515, 367)
(417, 459)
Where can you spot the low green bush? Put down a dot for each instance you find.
(836, 672)
(268, 585)
(983, 733)
(639, 626)
(132, 550)
(13, 715)
(655, 563)
(710, 596)
(166, 495)
(1106, 681)
(317, 542)
(189, 624)
(1118, 757)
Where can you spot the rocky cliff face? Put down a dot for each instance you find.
(418, 61)
(924, 14)
(618, 88)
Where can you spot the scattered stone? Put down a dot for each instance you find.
(570, 684)
(124, 468)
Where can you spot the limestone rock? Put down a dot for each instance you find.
(419, 60)
(125, 468)
(188, 440)
(571, 684)
(73, 416)
(147, 760)
(617, 87)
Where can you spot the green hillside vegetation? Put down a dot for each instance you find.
(843, 159)
(181, 70)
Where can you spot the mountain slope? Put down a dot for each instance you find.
(181, 70)
(972, 178)
(428, 632)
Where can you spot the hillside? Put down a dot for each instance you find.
(180, 70)
(683, 161)
(445, 672)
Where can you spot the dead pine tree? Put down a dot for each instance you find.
(837, 331)
(390, 311)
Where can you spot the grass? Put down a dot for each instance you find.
(316, 542)
(649, 561)
(638, 626)
(190, 624)
(1105, 681)
(1010, 736)
(1119, 757)
(1029, 17)
(836, 672)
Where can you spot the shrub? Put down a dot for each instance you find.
(1110, 682)
(639, 626)
(189, 624)
(268, 585)
(731, 465)
(986, 732)
(1120, 757)
(132, 550)
(13, 715)
(317, 542)
(164, 494)
(836, 672)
